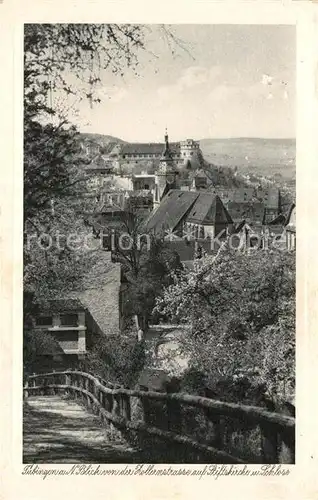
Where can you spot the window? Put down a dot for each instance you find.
(69, 319)
(44, 321)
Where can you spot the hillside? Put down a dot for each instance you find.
(260, 156)
(101, 139)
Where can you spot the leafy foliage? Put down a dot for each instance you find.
(242, 311)
(116, 359)
(60, 61)
(63, 64)
(53, 52)
(146, 267)
(35, 343)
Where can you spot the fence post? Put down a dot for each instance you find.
(101, 399)
(214, 423)
(109, 403)
(269, 438)
(269, 444)
(67, 382)
(287, 451)
(126, 409)
(79, 382)
(145, 404)
(174, 414)
(74, 384)
(96, 389)
(174, 421)
(116, 410)
(54, 389)
(84, 384)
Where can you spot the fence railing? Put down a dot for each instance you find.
(114, 405)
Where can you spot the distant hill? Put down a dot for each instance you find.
(101, 138)
(262, 156)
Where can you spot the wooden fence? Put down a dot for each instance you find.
(114, 405)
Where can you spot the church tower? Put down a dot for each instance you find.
(167, 172)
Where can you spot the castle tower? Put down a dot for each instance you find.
(167, 173)
(189, 150)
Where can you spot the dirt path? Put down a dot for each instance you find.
(57, 430)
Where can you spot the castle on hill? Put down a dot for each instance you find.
(136, 153)
(177, 166)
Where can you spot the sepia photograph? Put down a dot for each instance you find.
(159, 244)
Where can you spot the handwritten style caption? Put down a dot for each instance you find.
(215, 471)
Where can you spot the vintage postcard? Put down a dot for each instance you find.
(161, 345)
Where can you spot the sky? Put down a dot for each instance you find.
(232, 81)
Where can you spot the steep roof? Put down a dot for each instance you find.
(101, 298)
(168, 188)
(291, 218)
(240, 195)
(59, 305)
(100, 294)
(107, 148)
(279, 220)
(252, 210)
(152, 148)
(209, 209)
(174, 206)
(291, 214)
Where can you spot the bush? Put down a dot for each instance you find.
(116, 359)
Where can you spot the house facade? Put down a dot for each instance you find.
(65, 321)
(75, 320)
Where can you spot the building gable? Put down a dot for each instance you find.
(209, 210)
(172, 209)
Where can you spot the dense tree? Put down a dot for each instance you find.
(63, 64)
(59, 61)
(242, 311)
(116, 359)
(147, 263)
